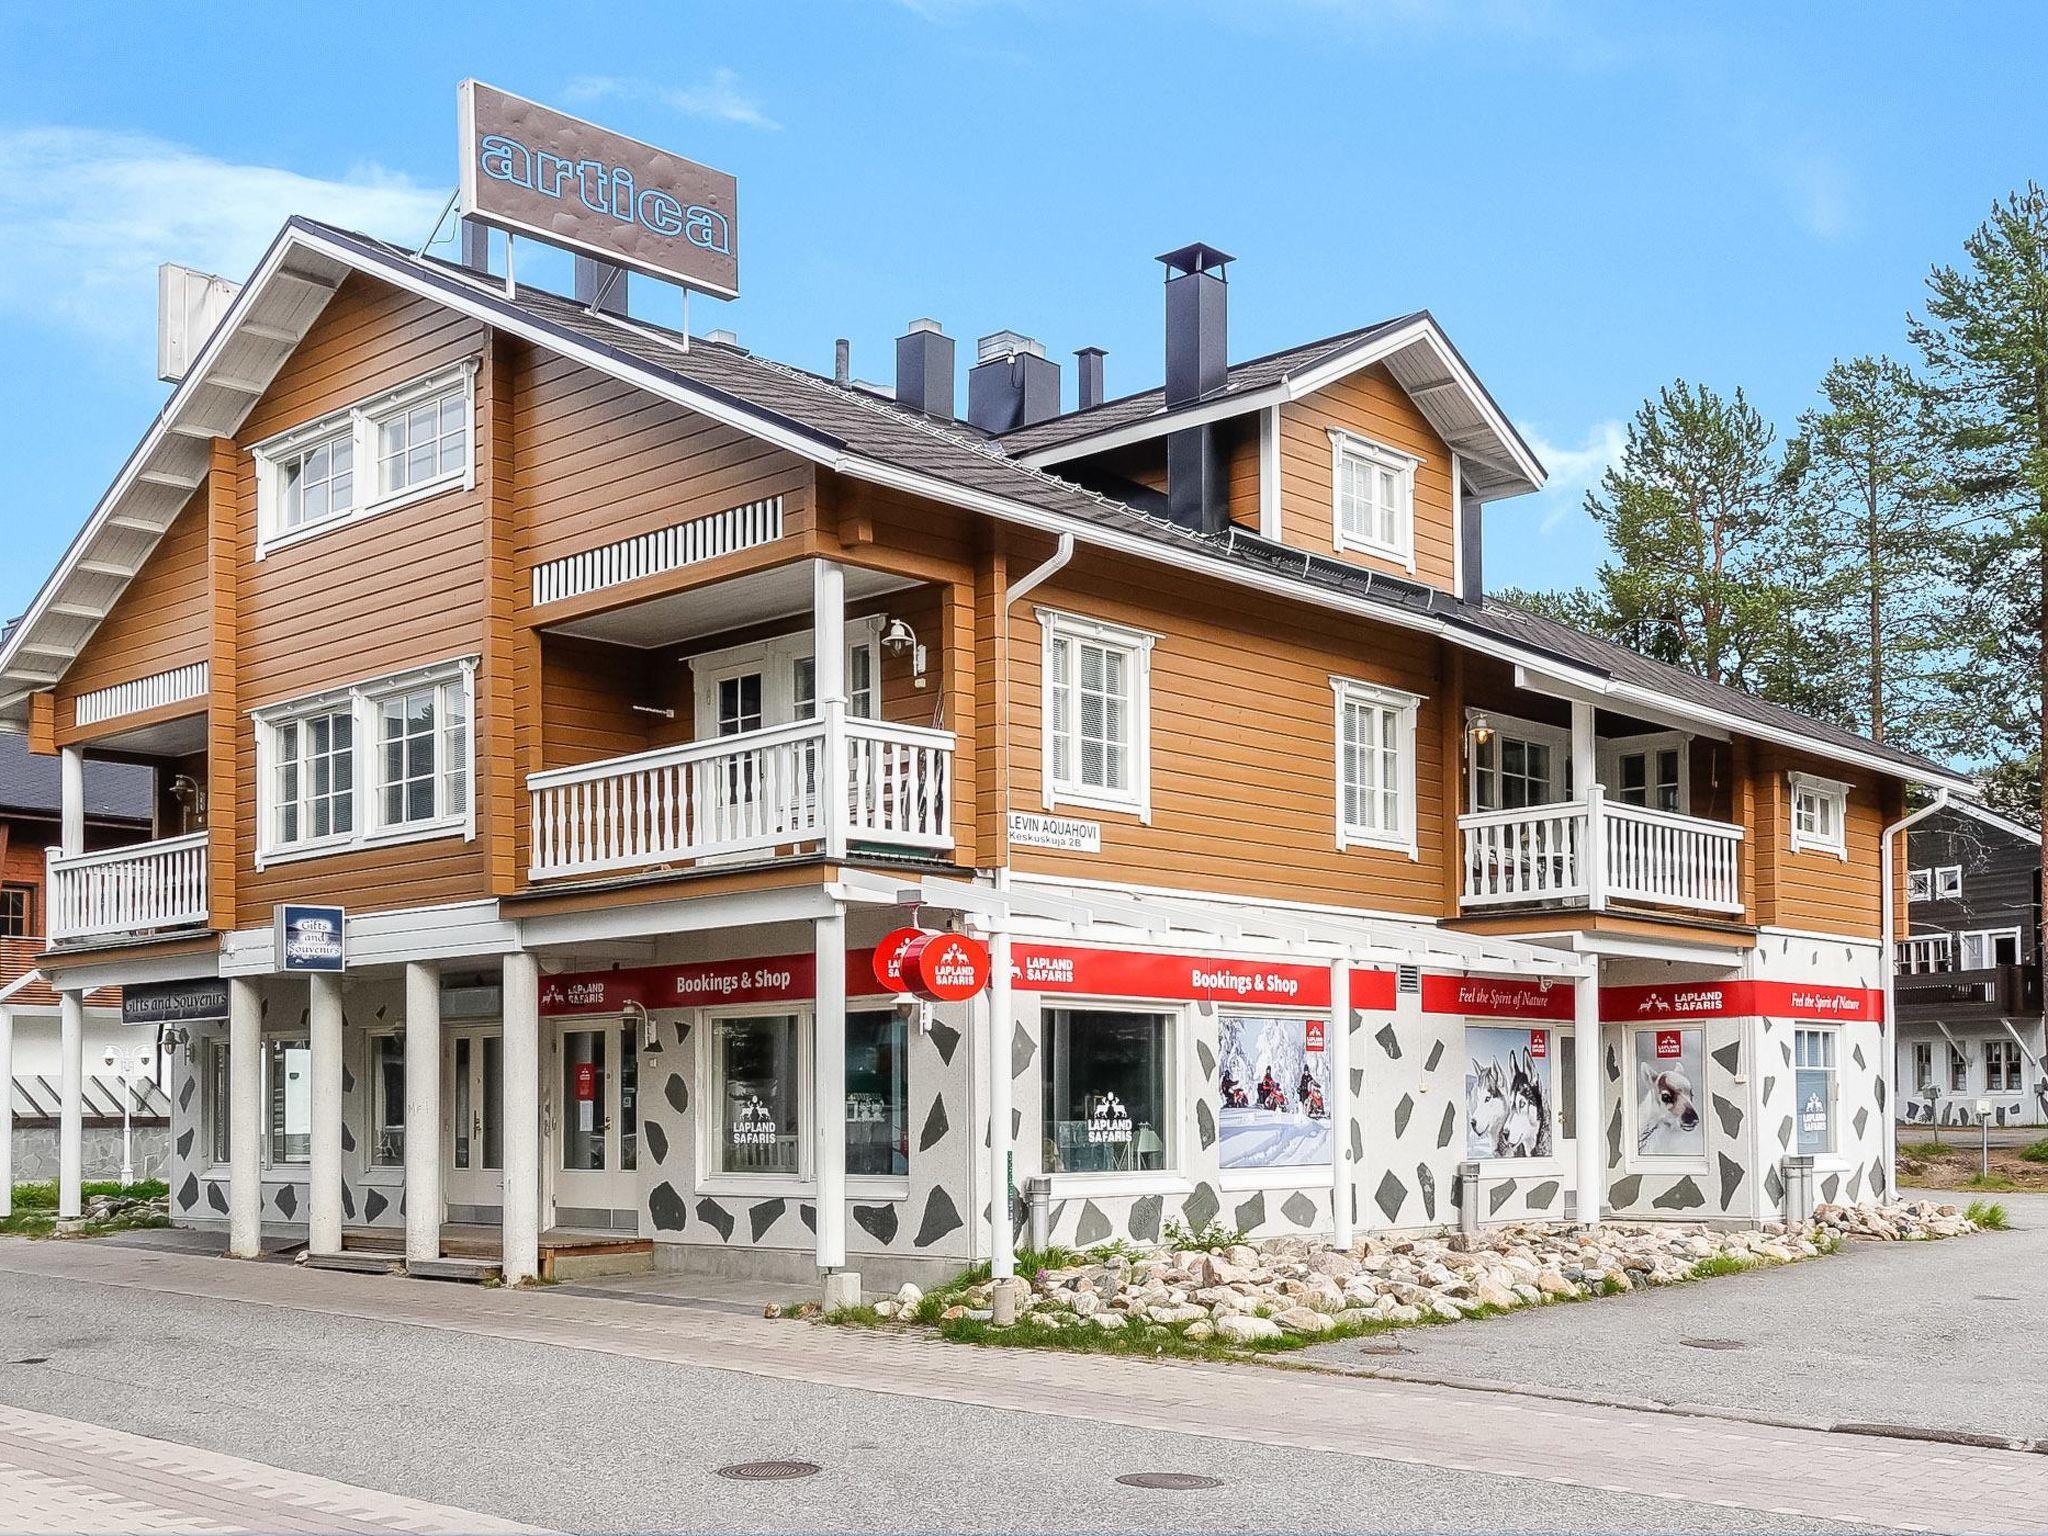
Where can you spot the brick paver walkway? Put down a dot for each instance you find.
(1893, 1483)
(60, 1475)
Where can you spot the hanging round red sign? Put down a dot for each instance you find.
(945, 967)
(889, 958)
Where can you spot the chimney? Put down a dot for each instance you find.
(924, 370)
(1088, 377)
(476, 245)
(1197, 367)
(842, 362)
(1012, 383)
(1471, 542)
(592, 278)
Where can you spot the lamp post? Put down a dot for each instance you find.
(127, 1067)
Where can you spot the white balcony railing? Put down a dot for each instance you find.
(1597, 851)
(750, 793)
(140, 889)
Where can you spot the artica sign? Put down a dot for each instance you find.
(532, 170)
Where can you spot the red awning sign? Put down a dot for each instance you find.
(889, 958)
(945, 967)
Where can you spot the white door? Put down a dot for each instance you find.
(1649, 771)
(474, 1069)
(597, 1122)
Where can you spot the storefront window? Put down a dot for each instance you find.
(217, 1116)
(629, 1100)
(1670, 1066)
(1813, 1060)
(1508, 1101)
(1106, 1092)
(387, 1108)
(877, 1101)
(756, 1088)
(1273, 1076)
(583, 1067)
(289, 1069)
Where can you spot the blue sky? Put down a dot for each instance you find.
(1594, 199)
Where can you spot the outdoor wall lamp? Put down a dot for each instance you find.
(1480, 730)
(897, 638)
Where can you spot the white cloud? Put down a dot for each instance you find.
(1573, 471)
(86, 215)
(719, 97)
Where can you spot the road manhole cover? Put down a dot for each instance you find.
(1385, 1347)
(1180, 1481)
(1713, 1343)
(769, 1471)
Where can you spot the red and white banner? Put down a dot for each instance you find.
(1740, 999)
(1492, 997)
(768, 979)
(1169, 978)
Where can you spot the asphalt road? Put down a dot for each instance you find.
(1943, 1335)
(563, 1438)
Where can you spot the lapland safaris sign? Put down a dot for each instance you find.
(534, 171)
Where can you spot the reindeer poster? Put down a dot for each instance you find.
(1670, 1078)
(1507, 1093)
(1273, 1077)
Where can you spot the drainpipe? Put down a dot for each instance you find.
(1002, 1145)
(1887, 923)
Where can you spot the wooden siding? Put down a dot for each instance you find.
(1809, 889)
(1370, 404)
(161, 621)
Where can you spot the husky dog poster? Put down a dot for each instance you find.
(1507, 1093)
(1669, 1074)
(1274, 1080)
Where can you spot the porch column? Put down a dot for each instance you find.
(245, 1119)
(1343, 1177)
(1585, 766)
(6, 1112)
(423, 1208)
(828, 1057)
(323, 1216)
(1002, 1231)
(1588, 1055)
(71, 1105)
(519, 1231)
(71, 825)
(828, 652)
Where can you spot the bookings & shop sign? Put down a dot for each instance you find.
(532, 170)
(761, 979)
(1740, 999)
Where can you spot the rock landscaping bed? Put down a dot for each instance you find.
(106, 1208)
(1217, 1295)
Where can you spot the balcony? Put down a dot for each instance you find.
(1596, 853)
(139, 890)
(748, 794)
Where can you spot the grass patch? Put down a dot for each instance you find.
(1995, 1181)
(1927, 1149)
(1720, 1264)
(2036, 1151)
(35, 1208)
(43, 1196)
(1989, 1215)
(1213, 1238)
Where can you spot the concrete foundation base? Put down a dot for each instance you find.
(842, 1289)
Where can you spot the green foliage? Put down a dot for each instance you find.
(2035, 1151)
(1997, 1181)
(2011, 786)
(1989, 1215)
(1213, 1238)
(1720, 1264)
(43, 1196)
(1923, 1149)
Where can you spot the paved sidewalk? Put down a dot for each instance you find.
(61, 1475)
(1890, 1483)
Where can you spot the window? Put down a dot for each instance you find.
(1948, 883)
(2001, 1066)
(877, 1096)
(860, 684)
(387, 1101)
(1375, 766)
(774, 682)
(1649, 772)
(416, 438)
(1669, 1093)
(1106, 1107)
(218, 1090)
(1097, 709)
(17, 911)
(1986, 947)
(1920, 885)
(1923, 1066)
(288, 1079)
(384, 760)
(1819, 808)
(1509, 1107)
(1273, 1080)
(1958, 1071)
(1813, 1059)
(1373, 498)
(757, 1096)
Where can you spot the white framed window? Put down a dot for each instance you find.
(387, 1101)
(1920, 885)
(2001, 1066)
(288, 1102)
(1923, 1066)
(1948, 882)
(370, 457)
(383, 761)
(1651, 771)
(1983, 948)
(1514, 763)
(1958, 1071)
(1819, 814)
(1111, 1094)
(1098, 715)
(1375, 768)
(1372, 497)
(1814, 1090)
(774, 682)
(214, 1102)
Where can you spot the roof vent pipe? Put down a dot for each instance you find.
(476, 244)
(924, 370)
(601, 286)
(842, 362)
(1197, 313)
(1088, 377)
(1012, 385)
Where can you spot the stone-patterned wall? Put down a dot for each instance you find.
(2027, 1107)
(35, 1152)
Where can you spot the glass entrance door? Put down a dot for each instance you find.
(475, 1072)
(597, 1123)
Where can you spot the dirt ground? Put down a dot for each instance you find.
(1958, 1162)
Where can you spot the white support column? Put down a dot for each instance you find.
(71, 825)
(1588, 1055)
(323, 1215)
(423, 1205)
(520, 1229)
(828, 1068)
(6, 1112)
(1002, 1149)
(245, 1120)
(71, 1105)
(828, 653)
(1585, 762)
(1344, 1177)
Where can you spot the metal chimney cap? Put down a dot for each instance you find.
(1090, 352)
(924, 325)
(1195, 258)
(1001, 344)
(723, 338)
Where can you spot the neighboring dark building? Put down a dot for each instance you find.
(1969, 972)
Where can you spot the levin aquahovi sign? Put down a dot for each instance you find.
(532, 170)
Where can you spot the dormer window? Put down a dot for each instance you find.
(1820, 810)
(1373, 498)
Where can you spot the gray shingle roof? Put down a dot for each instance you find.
(113, 791)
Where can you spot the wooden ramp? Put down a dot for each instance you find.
(472, 1252)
